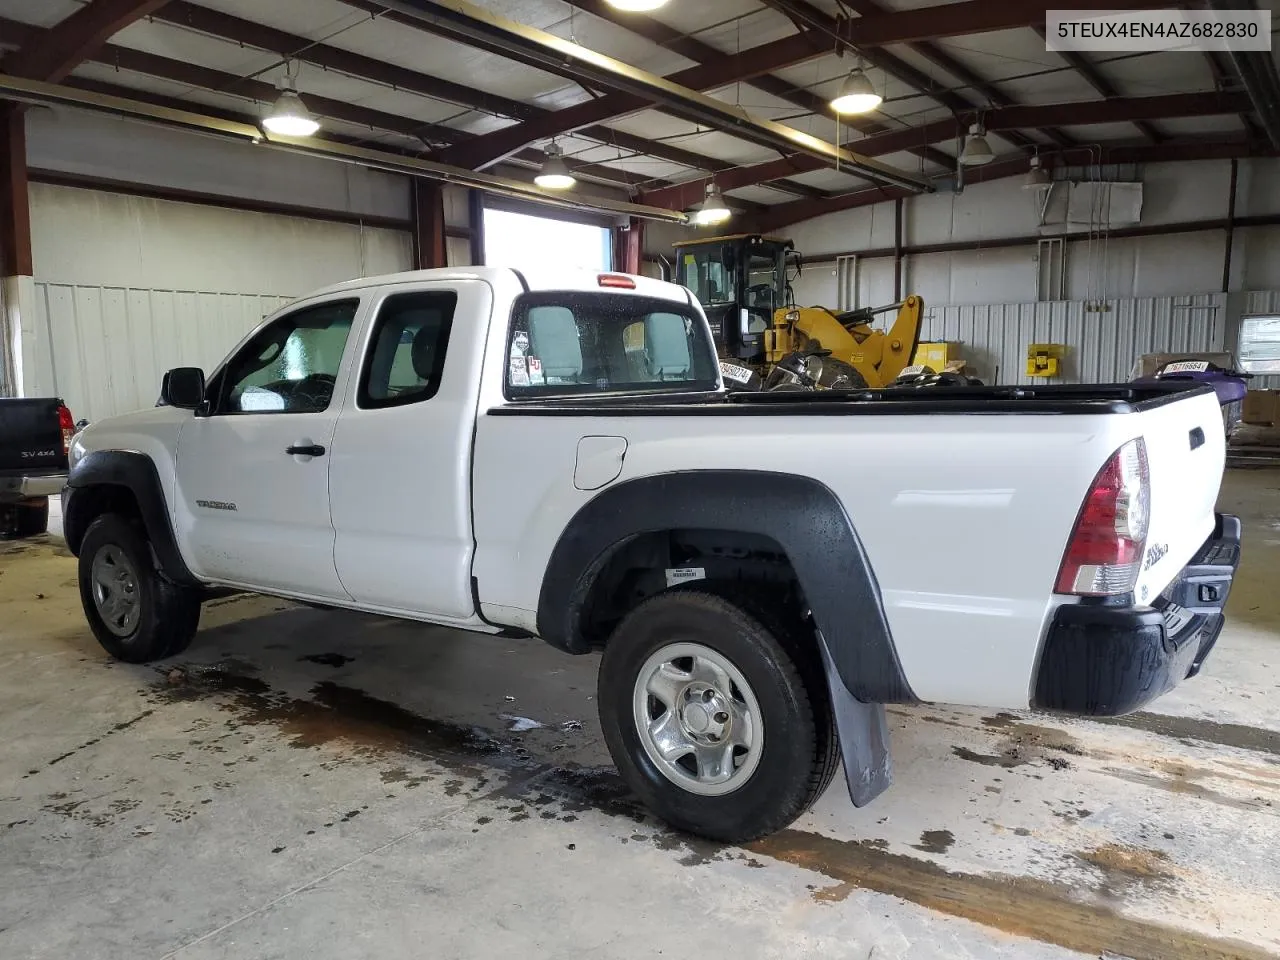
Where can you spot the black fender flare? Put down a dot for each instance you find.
(801, 514)
(135, 472)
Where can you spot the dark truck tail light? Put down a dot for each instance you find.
(1104, 554)
(68, 427)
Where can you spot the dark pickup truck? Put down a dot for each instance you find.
(34, 438)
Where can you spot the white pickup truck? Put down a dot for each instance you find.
(554, 455)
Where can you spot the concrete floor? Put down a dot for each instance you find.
(328, 785)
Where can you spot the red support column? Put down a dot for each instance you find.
(429, 249)
(17, 291)
(15, 209)
(628, 247)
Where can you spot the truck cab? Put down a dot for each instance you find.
(741, 282)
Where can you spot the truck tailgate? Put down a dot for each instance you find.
(1186, 451)
(31, 436)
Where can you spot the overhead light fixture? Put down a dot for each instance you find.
(1037, 176)
(856, 95)
(713, 209)
(976, 150)
(289, 116)
(637, 6)
(555, 174)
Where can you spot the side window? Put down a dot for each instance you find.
(406, 355)
(289, 367)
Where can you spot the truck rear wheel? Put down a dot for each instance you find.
(26, 519)
(135, 613)
(711, 719)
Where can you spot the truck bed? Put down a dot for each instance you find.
(1072, 399)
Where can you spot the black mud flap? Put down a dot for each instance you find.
(864, 737)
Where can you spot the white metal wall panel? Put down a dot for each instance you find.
(1101, 346)
(104, 349)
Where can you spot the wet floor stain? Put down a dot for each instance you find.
(1007, 760)
(935, 841)
(377, 729)
(91, 742)
(1124, 867)
(328, 659)
(1206, 731)
(1022, 906)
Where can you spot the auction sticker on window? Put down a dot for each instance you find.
(731, 371)
(1186, 366)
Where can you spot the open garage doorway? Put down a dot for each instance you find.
(524, 241)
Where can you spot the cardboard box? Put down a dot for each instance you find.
(1261, 407)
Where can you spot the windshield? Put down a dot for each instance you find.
(565, 343)
(704, 273)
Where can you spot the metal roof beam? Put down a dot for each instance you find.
(804, 12)
(238, 30)
(636, 89)
(21, 90)
(789, 213)
(965, 18)
(65, 46)
(694, 49)
(1078, 113)
(1096, 79)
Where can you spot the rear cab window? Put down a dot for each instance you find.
(570, 343)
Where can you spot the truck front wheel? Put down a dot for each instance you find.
(135, 613)
(714, 719)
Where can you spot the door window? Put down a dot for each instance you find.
(405, 362)
(290, 366)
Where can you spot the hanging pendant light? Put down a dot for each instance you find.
(976, 150)
(856, 94)
(637, 6)
(555, 174)
(1037, 176)
(289, 116)
(713, 210)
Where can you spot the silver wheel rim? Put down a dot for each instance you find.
(698, 719)
(115, 590)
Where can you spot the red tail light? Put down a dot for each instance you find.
(618, 281)
(1104, 554)
(68, 428)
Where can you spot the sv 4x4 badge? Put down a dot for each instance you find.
(1155, 555)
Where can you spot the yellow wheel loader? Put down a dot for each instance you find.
(766, 341)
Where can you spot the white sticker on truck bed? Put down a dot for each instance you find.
(734, 372)
(685, 575)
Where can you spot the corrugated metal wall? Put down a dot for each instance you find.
(104, 349)
(1101, 345)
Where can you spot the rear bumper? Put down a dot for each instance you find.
(1107, 660)
(14, 489)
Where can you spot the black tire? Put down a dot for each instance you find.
(800, 752)
(19, 521)
(167, 614)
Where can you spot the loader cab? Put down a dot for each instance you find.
(741, 281)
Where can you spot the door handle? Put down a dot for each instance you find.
(305, 450)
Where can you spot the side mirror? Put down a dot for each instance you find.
(183, 387)
(744, 323)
